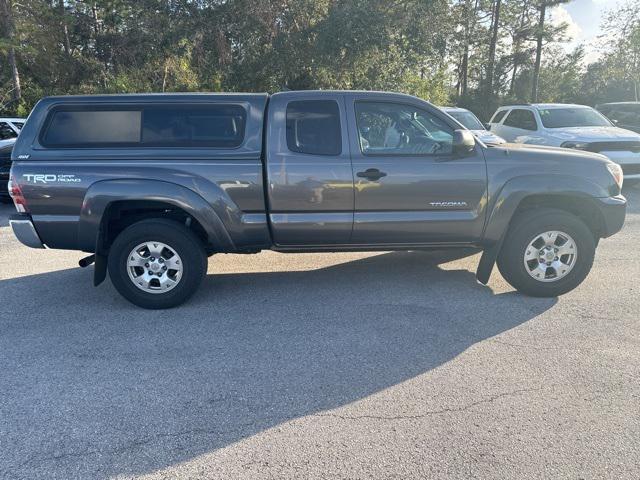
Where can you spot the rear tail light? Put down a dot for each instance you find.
(16, 195)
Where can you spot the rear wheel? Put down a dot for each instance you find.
(157, 263)
(547, 253)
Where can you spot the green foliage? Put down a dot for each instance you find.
(435, 49)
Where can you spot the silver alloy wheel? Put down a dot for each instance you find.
(154, 267)
(550, 256)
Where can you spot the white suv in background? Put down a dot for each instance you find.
(9, 129)
(569, 126)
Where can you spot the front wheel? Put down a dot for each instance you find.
(547, 253)
(157, 263)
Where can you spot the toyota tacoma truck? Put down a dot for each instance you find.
(151, 185)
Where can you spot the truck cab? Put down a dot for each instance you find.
(150, 185)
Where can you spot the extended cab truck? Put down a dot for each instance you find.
(151, 185)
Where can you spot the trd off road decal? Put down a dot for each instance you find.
(50, 178)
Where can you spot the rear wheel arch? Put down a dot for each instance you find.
(123, 213)
(116, 204)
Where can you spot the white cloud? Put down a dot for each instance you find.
(560, 15)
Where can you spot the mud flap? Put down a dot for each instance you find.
(487, 261)
(99, 270)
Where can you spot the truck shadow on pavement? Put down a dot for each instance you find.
(93, 387)
(6, 209)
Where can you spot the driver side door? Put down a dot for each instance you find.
(409, 187)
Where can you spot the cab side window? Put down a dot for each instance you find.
(6, 132)
(395, 129)
(313, 127)
(523, 119)
(498, 116)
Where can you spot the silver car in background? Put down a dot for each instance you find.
(10, 129)
(471, 122)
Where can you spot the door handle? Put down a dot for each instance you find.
(371, 174)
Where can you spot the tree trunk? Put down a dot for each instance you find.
(65, 29)
(6, 12)
(464, 66)
(492, 46)
(517, 41)
(539, 34)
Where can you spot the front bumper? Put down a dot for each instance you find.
(24, 230)
(613, 210)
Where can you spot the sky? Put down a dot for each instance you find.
(584, 18)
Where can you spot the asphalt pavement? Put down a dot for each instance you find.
(321, 366)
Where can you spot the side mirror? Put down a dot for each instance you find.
(487, 126)
(463, 142)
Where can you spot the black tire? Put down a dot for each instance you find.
(180, 239)
(523, 230)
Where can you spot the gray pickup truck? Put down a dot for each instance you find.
(150, 185)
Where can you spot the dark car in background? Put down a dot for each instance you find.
(5, 166)
(623, 114)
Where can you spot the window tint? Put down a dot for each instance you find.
(6, 132)
(313, 127)
(391, 129)
(170, 126)
(498, 116)
(523, 119)
(86, 128)
(18, 125)
(185, 126)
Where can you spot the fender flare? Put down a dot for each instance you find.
(100, 195)
(510, 196)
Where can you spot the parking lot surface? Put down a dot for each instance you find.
(367, 365)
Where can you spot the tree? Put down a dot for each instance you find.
(8, 37)
(495, 25)
(543, 6)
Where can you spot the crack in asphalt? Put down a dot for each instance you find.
(138, 443)
(463, 408)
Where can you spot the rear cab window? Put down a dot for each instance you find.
(313, 127)
(215, 126)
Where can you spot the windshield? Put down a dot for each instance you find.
(468, 119)
(572, 117)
